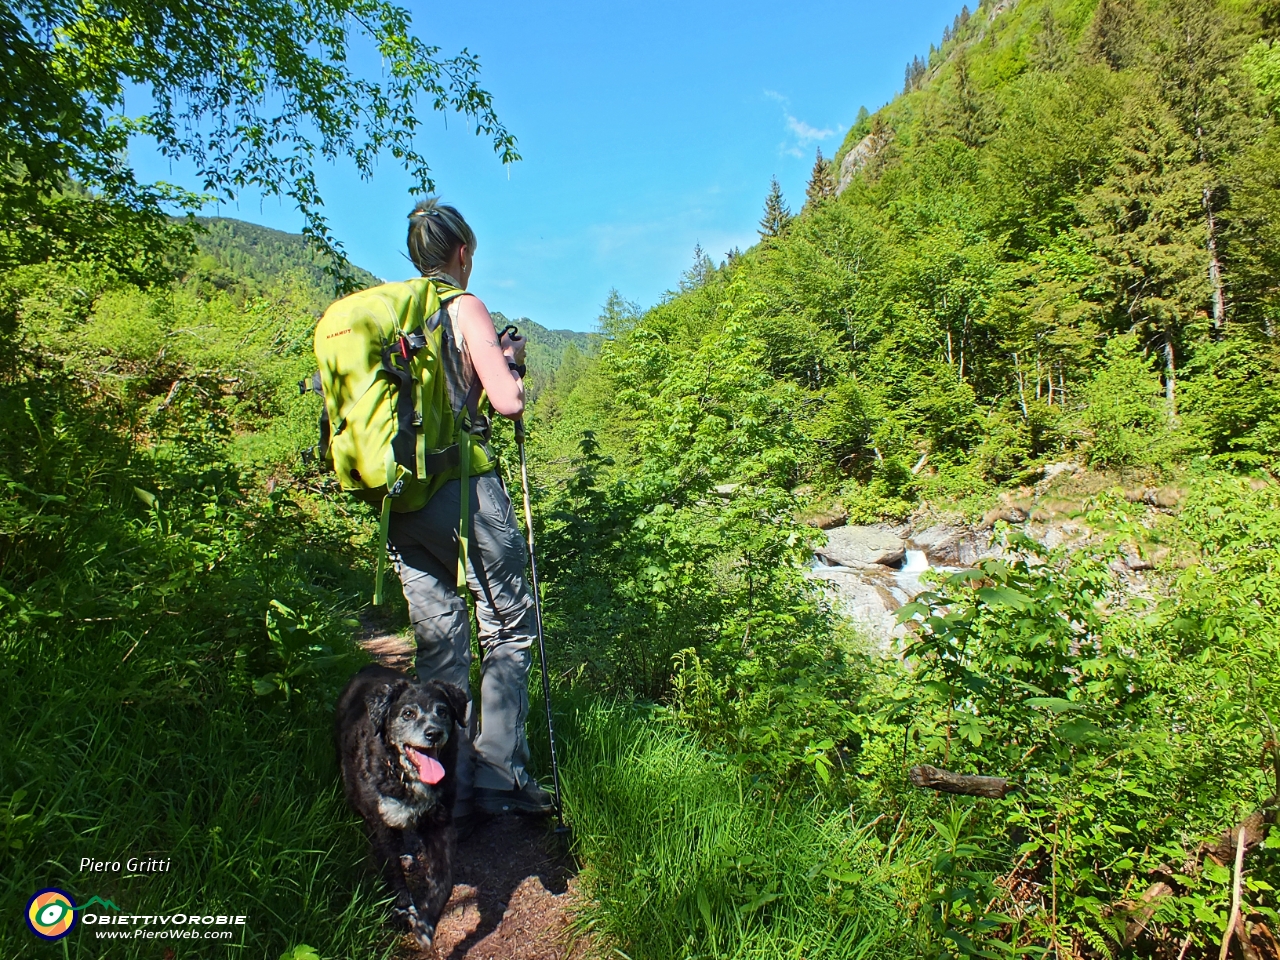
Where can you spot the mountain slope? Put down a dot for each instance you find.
(247, 259)
(1060, 240)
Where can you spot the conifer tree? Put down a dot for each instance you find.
(1049, 48)
(966, 109)
(915, 74)
(822, 181)
(1112, 32)
(1191, 51)
(777, 215)
(1144, 221)
(862, 123)
(700, 271)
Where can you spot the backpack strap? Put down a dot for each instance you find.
(465, 441)
(468, 418)
(395, 483)
(396, 364)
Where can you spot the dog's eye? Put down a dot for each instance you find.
(441, 710)
(408, 713)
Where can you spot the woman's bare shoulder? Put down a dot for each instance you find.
(474, 318)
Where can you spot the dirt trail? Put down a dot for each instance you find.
(513, 880)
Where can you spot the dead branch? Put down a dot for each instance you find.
(934, 778)
(1234, 917)
(173, 391)
(1146, 906)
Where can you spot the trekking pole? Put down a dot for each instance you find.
(537, 614)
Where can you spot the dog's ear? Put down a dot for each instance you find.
(378, 701)
(457, 699)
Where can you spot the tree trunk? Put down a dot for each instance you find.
(1022, 390)
(1170, 377)
(1215, 269)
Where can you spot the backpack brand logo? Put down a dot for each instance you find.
(338, 334)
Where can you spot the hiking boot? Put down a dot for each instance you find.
(531, 799)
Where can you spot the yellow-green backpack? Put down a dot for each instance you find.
(388, 429)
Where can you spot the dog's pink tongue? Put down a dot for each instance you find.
(429, 768)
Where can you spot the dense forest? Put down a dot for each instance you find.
(1037, 291)
(1055, 249)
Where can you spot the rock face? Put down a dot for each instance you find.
(1008, 513)
(862, 597)
(1000, 7)
(954, 545)
(862, 154)
(835, 516)
(863, 546)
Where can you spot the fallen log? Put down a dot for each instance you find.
(934, 778)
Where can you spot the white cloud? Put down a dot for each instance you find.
(802, 134)
(809, 134)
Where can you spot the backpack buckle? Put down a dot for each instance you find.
(411, 343)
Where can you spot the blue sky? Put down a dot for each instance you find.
(646, 128)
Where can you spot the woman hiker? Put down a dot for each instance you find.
(424, 546)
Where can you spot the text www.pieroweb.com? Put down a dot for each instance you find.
(171, 926)
(145, 934)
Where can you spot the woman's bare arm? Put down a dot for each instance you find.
(491, 358)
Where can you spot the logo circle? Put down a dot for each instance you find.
(51, 913)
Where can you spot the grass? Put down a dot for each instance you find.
(685, 859)
(111, 760)
(133, 588)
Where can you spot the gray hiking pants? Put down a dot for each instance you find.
(424, 547)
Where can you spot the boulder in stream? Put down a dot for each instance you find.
(857, 546)
(954, 544)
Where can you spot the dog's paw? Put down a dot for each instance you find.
(424, 936)
(423, 933)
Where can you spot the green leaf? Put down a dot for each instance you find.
(961, 941)
(758, 902)
(1004, 597)
(301, 952)
(913, 609)
(1053, 704)
(1216, 872)
(704, 908)
(1078, 731)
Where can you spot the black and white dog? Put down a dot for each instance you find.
(398, 747)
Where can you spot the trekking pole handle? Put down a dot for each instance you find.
(510, 328)
(520, 430)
